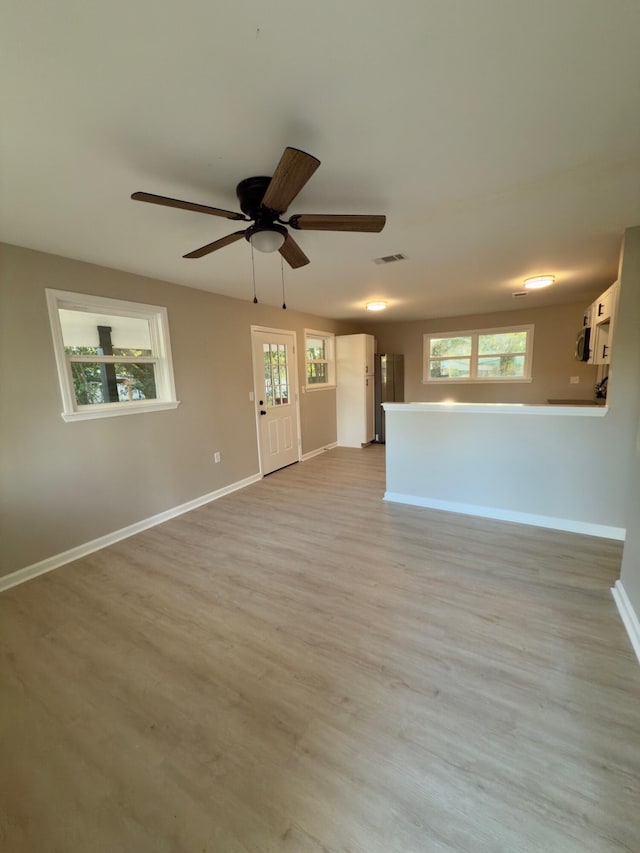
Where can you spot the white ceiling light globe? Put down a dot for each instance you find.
(267, 240)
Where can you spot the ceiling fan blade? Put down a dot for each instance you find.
(292, 253)
(291, 174)
(336, 222)
(186, 205)
(217, 244)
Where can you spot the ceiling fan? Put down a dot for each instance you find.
(263, 201)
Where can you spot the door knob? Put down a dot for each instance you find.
(262, 412)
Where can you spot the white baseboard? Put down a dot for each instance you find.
(29, 572)
(585, 527)
(306, 456)
(628, 616)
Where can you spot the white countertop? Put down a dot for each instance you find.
(499, 409)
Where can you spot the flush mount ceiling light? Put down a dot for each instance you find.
(376, 306)
(266, 238)
(539, 281)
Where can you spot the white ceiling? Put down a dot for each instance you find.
(501, 138)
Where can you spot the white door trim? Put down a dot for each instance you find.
(294, 383)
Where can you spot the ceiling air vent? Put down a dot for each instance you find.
(390, 259)
(519, 294)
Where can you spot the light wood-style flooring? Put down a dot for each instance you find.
(301, 667)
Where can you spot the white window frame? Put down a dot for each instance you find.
(160, 347)
(330, 360)
(474, 334)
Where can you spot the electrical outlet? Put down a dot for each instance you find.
(574, 380)
(216, 456)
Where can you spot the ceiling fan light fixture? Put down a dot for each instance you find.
(376, 306)
(267, 238)
(538, 281)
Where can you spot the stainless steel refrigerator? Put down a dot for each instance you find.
(389, 387)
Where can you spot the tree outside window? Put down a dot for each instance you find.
(319, 359)
(482, 355)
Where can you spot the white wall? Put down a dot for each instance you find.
(508, 464)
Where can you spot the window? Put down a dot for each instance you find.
(319, 360)
(113, 357)
(482, 355)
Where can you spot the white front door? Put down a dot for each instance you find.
(275, 384)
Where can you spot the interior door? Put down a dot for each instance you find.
(274, 372)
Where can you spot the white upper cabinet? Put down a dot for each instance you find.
(602, 308)
(601, 318)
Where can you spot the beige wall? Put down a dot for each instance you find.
(64, 484)
(553, 356)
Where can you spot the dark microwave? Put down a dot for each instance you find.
(583, 349)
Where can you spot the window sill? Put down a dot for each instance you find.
(492, 381)
(308, 388)
(101, 411)
(499, 409)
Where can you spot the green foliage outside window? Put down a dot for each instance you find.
(441, 347)
(478, 355)
(317, 361)
(503, 342)
(134, 381)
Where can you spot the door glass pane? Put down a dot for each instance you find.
(501, 365)
(450, 368)
(440, 347)
(268, 382)
(283, 388)
(276, 374)
(275, 366)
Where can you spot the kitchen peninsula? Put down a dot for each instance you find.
(563, 467)
(547, 465)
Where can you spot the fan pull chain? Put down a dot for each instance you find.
(253, 268)
(284, 304)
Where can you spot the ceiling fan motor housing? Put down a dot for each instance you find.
(250, 193)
